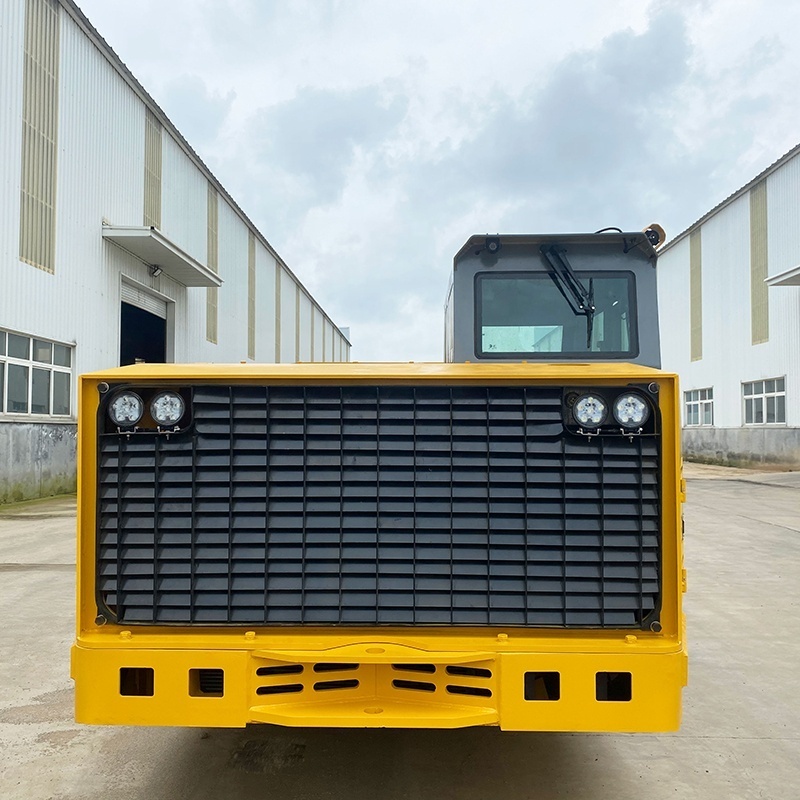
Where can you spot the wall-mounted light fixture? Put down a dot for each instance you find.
(155, 271)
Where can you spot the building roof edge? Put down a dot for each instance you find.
(80, 19)
(786, 157)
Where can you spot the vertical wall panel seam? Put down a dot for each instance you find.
(39, 151)
(152, 170)
(212, 258)
(296, 323)
(251, 295)
(759, 291)
(313, 333)
(696, 294)
(278, 270)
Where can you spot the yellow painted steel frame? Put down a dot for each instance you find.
(380, 677)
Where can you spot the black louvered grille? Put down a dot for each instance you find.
(389, 505)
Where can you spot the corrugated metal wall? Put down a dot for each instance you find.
(330, 341)
(304, 327)
(101, 174)
(251, 295)
(783, 201)
(288, 317)
(233, 244)
(153, 162)
(729, 320)
(12, 36)
(783, 245)
(101, 177)
(39, 134)
(696, 292)
(265, 304)
(184, 209)
(318, 324)
(212, 262)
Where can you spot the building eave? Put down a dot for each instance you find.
(733, 197)
(789, 277)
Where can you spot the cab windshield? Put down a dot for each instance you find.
(527, 314)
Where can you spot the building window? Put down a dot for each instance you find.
(699, 406)
(35, 376)
(764, 402)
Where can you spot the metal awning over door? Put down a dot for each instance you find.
(156, 250)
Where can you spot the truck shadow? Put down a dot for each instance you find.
(266, 761)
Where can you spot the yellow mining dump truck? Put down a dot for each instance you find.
(493, 540)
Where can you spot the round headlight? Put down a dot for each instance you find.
(631, 411)
(126, 409)
(167, 408)
(589, 411)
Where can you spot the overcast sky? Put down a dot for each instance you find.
(368, 139)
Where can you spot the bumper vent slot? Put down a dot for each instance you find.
(417, 686)
(286, 688)
(378, 505)
(469, 672)
(283, 669)
(326, 686)
(475, 691)
(335, 667)
(429, 668)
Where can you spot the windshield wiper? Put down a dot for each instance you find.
(579, 298)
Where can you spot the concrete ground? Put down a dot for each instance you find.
(740, 737)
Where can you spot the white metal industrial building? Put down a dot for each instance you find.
(116, 244)
(729, 297)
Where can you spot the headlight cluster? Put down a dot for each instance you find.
(126, 409)
(590, 411)
(167, 408)
(630, 410)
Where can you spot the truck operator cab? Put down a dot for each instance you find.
(573, 297)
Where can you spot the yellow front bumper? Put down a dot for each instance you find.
(377, 685)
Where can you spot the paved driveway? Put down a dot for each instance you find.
(740, 737)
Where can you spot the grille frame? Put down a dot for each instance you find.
(653, 436)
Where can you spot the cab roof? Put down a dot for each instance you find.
(626, 241)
